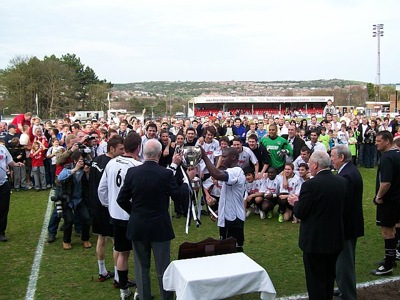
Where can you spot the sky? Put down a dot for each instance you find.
(171, 40)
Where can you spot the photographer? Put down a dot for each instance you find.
(63, 159)
(75, 185)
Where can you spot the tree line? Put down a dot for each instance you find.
(65, 83)
(61, 84)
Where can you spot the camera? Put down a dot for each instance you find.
(84, 150)
(87, 162)
(58, 200)
(90, 138)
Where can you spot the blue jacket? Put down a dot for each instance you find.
(240, 131)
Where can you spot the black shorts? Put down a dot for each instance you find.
(388, 214)
(289, 206)
(101, 222)
(233, 229)
(121, 243)
(273, 201)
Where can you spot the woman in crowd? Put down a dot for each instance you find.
(369, 147)
(303, 125)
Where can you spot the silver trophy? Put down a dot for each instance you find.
(191, 156)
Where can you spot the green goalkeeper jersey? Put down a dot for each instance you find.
(275, 145)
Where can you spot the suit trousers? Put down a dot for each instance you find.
(5, 193)
(142, 256)
(345, 270)
(320, 274)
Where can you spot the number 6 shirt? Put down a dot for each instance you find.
(111, 183)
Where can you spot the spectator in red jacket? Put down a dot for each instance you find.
(38, 155)
(22, 119)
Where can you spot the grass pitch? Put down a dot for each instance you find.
(73, 274)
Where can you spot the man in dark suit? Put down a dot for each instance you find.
(321, 229)
(295, 141)
(363, 127)
(149, 186)
(353, 222)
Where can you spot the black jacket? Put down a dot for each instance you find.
(320, 209)
(149, 186)
(353, 216)
(298, 143)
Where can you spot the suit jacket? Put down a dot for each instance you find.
(298, 143)
(353, 217)
(320, 208)
(150, 186)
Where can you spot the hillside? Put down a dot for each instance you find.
(265, 88)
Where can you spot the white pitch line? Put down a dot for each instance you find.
(360, 285)
(378, 282)
(30, 292)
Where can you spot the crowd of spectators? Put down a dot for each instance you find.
(273, 152)
(35, 142)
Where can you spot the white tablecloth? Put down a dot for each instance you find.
(217, 277)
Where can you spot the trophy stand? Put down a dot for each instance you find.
(191, 157)
(195, 194)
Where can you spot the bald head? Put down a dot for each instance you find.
(232, 151)
(152, 149)
(230, 157)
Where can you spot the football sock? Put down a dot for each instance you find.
(116, 277)
(102, 267)
(390, 252)
(123, 280)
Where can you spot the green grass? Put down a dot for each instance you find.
(72, 274)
